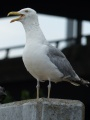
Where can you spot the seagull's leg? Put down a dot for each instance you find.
(38, 87)
(49, 88)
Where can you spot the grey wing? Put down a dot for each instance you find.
(59, 59)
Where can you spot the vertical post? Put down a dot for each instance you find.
(79, 30)
(70, 30)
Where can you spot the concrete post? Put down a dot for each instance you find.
(43, 109)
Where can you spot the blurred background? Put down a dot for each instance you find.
(66, 25)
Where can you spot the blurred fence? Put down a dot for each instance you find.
(57, 43)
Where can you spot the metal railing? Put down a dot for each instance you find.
(56, 42)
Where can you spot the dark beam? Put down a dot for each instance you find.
(66, 9)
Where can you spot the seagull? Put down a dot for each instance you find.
(42, 60)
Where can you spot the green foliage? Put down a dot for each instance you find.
(25, 95)
(8, 98)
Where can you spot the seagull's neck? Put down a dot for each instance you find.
(30, 26)
(33, 33)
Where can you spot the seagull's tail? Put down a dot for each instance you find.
(79, 82)
(76, 81)
(84, 82)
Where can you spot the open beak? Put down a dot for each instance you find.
(16, 14)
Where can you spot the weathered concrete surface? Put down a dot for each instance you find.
(43, 109)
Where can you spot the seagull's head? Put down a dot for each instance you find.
(24, 14)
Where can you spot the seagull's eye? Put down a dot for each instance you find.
(26, 11)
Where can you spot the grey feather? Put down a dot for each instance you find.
(64, 66)
(59, 59)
